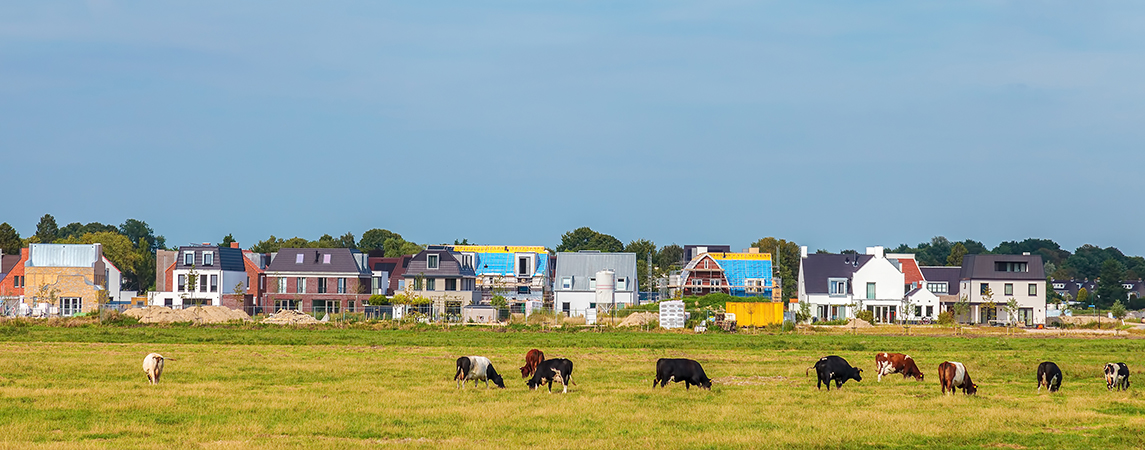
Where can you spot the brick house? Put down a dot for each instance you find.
(12, 278)
(74, 273)
(318, 280)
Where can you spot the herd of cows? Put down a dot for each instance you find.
(540, 371)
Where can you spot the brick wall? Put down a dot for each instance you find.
(70, 281)
(8, 287)
(306, 300)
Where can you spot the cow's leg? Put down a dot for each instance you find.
(687, 385)
(655, 381)
(566, 383)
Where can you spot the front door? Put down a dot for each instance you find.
(1026, 316)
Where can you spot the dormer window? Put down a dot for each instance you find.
(837, 286)
(188, 258)
(1002, 266)
(432, 261)
(298, 258)
(208, 258)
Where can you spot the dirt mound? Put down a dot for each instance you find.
(290, 317)
(640, 319)
(196, 314)
(858, 323)
(1082, 320)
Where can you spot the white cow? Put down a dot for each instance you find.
(477, 368)
(153, 367)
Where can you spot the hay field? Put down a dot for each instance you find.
(239, 388)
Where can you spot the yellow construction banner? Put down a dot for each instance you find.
(742, 256)
(499, 248)
(756, 314)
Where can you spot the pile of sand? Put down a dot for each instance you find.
(196, 314)
(640, 319)
(858, 323)
(290, 317)
(1082, 320)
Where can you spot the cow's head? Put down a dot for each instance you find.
(495, 377)
(524, 371)
(857, 375)
(972, 389)
(706, 384)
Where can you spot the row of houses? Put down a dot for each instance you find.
(58, 279)
(893, 287)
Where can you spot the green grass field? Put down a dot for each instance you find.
(253, 387)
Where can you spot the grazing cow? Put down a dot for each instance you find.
(1117, 375)
(953, 375)
(888, 363)
(477, 368)
(549, 370)
(153, 367)
(832, 367)
(1050, 376)
(679, 369)
(532, 358)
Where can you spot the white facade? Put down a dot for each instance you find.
(223, 283)
(922, 303)
(876, 285)
(1031, 307)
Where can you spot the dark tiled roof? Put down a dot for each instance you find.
(949, 274)
(981, 267)
(226, 258)
(448, 266)
(8, 263)
(819, 267)
(342, 260)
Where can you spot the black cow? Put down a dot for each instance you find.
(549, 370)
(680, 369)
(1050, 376)
(1117, 375)
(835, 368)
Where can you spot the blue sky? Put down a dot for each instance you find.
(833, 124)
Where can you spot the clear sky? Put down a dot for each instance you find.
(833, 124)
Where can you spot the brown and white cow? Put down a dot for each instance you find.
(153, 367)
(888, 363)
(953, 375)
(532, 358)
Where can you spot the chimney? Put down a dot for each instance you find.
(876, 251)
(802, 251)
(753, 250)
(234, 245)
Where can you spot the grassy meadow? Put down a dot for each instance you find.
(253, 387)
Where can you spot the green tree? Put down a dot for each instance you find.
(139, 233)
(584, 238)
(1083, 298)
(668, 257)
(115, 246)
(785, 257)
(960, 308)
(956, 254)
(269, 245)
(1118, 311)
(642, 248)
(78, 229)
(10, 242)
(227, 240)
(47, 231)
(375, 239)
(397, 246)
(1012, 312)
(1109, 287)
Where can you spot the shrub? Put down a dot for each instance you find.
(866, 315)
(946, 318)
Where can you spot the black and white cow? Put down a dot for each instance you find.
(680, 369)
(1050, 376)
(549, 370)
(835, 368)
(477, 368)
(1117, 375)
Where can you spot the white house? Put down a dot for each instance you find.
(202, 275)
(838, 285)
(575, 287)
(1001, 278)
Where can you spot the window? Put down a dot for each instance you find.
(326, 258)
(983, 288)
(451, 284)
(697, 282)
(1002, 266)
(300, 285)
(621, 284)
(1033, 289)
(432, 261)
(431, 284)
(837, 286)
(202, 283)
(401, 285)
(917, 311)
(592, 283)
(715, 282)
(321, 285)
(208, 258)
(341, 285)
(248, 281)
(1008, 289)
(938, 288)
(70, 306)
(282, 285)
(350, 305)
(298, 258)
(524, 290)
(523, 264)
(214, 283)
(566, 283)
(929, 310)
(188, 258)
(870, 291)
(182, 282)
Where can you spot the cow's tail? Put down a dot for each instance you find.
(808, 371)
(460, 373)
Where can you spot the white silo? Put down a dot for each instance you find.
(605, 288)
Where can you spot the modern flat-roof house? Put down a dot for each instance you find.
(201, 275)
(837, 285)
(518, 273)
(575, 288)
(443, 276)
(1000, 278)
(318, 280)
